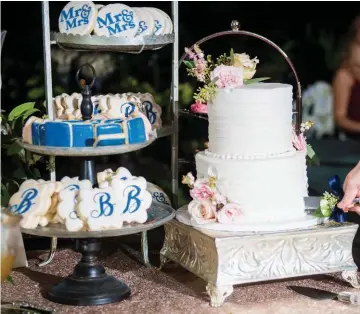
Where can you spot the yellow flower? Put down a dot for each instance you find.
(249, 65)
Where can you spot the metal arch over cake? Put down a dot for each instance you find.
(253, 174)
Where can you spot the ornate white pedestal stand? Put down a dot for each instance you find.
(224, 259)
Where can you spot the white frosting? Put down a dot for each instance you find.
(268, 190)
(255, 119)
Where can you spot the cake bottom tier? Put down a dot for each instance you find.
(268, 190)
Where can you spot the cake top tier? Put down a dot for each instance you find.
(251, 120)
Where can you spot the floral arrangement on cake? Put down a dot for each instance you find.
(208, 204)
(299, 141)
(228, 71)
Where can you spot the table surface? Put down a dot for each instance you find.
(173, 290)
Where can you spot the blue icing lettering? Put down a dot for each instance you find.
(160, 197)
(75, 18)
(73, 187)
(96, 108)
(142, 27)
(117, 23)
(150, 114)
(26, 202)
(127, 108)
(104, 205)
(133, 203)
(157, 25)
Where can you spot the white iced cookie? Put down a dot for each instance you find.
(26, 131)
(99, 6)
(159, 20)
(158, 195)
(32, 202)
(105, 177)
(116, 20)
(100, 208)
(168, 23)
(78, 18)
(150, 109)
(121, 107)
(134, 198)
(146, 24)
(67, 202)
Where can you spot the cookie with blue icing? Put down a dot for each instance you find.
(78, 18)
(146, 24)
(32, 202)
(66, 208)
(116, 20)
(150, 109)
(159, 21)
(158, 195)
(104, 178)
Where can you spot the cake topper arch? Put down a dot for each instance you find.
(235, 30)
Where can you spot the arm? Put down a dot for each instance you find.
(342, 86)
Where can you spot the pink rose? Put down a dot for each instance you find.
(201, 192)
(229, 214)
(202, 211)
(228, 76)
(198, 107)
(299, 141)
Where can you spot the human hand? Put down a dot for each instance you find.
(352, 190)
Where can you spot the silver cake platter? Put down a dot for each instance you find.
(86, 151)
(158, 215)
(116, 44)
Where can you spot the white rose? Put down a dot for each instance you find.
(249, 65)
(202, 211)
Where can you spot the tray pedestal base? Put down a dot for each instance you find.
(89, 284)
(225, 259)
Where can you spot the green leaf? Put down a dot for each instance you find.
(20, 110)
(9, 279)
(318, 213)
(37, 173)
(189, 64)
(232, 56)
(19, 173)
(310, 151)
(28, 113)
(256, 80)
(5, 197)
(13, 149)
(208, 58)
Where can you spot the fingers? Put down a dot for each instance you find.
(350, 193)
(355, 209)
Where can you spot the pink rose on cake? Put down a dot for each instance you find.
(202, 211)
(228, 76)
(229, 214)
(199, 107)
(299, 141)
(201, 192)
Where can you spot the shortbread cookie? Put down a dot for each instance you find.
(116, 20)
(78, 18)
(159, 20)
(32, 202)
(158, 195)
(146, 24)
(67, 202)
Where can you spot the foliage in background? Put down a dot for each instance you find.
(17, 163)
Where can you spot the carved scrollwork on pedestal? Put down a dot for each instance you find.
(278, 257)
(351, 276)
(192, 250)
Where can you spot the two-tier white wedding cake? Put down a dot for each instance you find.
(250, 146)
(253, 176)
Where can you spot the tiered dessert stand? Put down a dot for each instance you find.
(224, 258)
(89, 284)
